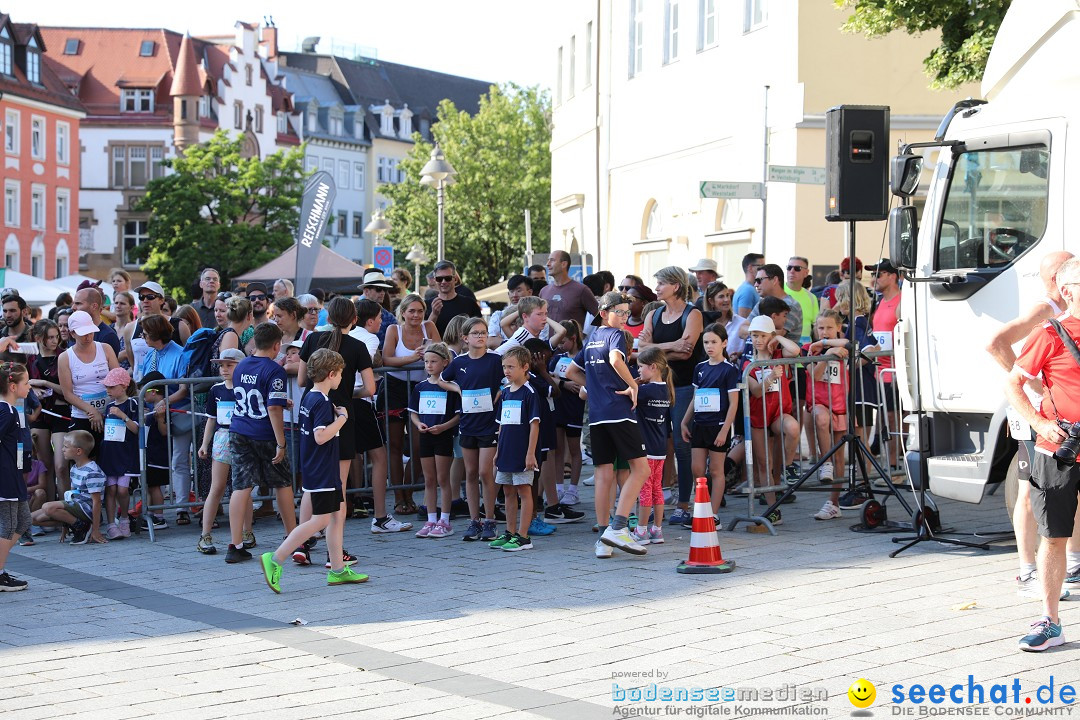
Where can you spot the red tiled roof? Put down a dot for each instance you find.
(186, 77)
(52, 89)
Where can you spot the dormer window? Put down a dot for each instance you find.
(146, 48)
(405, 123)
(358, 126)
(282, 123)
(312, 120)
(5, 51)
(387, 125)
(71, 46)
(137, 100)
(33, 62)
(337, 125)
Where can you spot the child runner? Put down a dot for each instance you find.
(826, 403)
(257, 437)
(535, 323)
(220, 405)
(476, 376)
(773, 413)
(712, 414)
(435, 413)
(569, 415)
(656, 395)
(320, 422)
(14, 510)
(518, 412)
(601, 367)
(546, 384)
(119, 454)
(81, 507)
(157, 453)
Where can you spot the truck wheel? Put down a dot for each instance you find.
(1012, 485)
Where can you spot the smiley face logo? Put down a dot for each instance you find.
(862, 693)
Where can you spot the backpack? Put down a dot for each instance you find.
(198, 351)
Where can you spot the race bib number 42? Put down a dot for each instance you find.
(511, 413)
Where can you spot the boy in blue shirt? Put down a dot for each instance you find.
(257, 436)
(518, 415)
(320, 422)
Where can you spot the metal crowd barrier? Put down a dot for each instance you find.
(879, 427)
(197, 410)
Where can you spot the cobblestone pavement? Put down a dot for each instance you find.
(447, 629)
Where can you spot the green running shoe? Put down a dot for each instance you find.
(271, 571)
(517, 544)
(501, 540)
(345, 576)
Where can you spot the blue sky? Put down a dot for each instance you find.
(495, 40)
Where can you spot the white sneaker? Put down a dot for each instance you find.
(1029, 586)
(389, 525)
(602, 550)
(623, 540)
(825, 473)
(569, 495)
(828, 511)
(587, 481)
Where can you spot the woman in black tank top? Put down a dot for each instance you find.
(676, 329)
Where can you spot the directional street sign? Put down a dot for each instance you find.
(732, 190)
(797, 174)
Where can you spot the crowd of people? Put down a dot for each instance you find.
(492, 415)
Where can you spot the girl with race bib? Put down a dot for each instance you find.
(119, 454)
(220, 403)
(476, 376)
(435, 414)
(82, 368)
(709, 421)
(569, 413)
(826, 404)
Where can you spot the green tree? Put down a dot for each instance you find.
(968, 29)
(503, 161)
(218, 209)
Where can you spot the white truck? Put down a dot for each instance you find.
(1005, 191)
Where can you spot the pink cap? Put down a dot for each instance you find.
(117, 376)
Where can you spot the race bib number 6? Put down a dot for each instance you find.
(476, 401)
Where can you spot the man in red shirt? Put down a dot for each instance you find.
(887, 312)
(1054, 484)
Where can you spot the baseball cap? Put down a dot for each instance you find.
(609, 300)
(231, 354)
(296, 344)
(80, 323)
(762, 323)
(884, 265)
(152, 287)
(845, 264)
(117, 376)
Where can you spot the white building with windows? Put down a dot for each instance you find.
(652, 98)
(332, 125)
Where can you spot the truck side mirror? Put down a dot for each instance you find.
(903, 231)
(904, 178)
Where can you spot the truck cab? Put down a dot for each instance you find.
(996, 203)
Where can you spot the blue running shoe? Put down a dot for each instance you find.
(1044, 634)
(1072, 576)
(540, 528)
(679, 517)
(473, 532)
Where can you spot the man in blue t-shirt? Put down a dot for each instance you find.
(257, 436)
(746, 295)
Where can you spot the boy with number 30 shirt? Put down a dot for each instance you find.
(257, 436)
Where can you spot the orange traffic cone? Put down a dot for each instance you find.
(705, 557)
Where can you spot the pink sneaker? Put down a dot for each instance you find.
(112, 532)
(125, 527)
(441, 530)
(641, 535)
(447, 528)
(426, 530)
(656, 535)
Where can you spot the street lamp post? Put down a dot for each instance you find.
(418, 257)
(378, 226)
(438, 173)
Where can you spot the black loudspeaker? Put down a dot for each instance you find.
(857, 162)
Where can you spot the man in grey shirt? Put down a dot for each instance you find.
(567, 299)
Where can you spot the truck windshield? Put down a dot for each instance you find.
(995, 209)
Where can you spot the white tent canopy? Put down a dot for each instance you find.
(33, 290)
